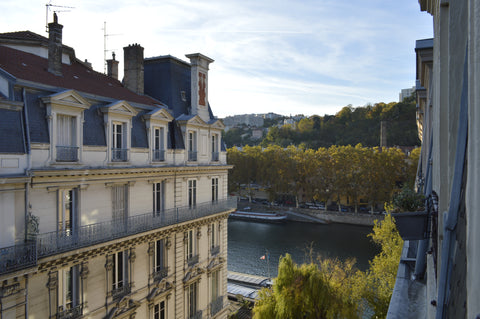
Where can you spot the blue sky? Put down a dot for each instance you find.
(285, 56)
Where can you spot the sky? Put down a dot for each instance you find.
(283, 56)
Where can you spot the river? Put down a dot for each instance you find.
(248, 241)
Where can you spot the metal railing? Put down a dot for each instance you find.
(192, 260)
(158, 155)
(160, 274)
(58, 241)
(119, 292)
(119, 154)
(196, 315)
(18, 257)
(215, 250)
(67, 153)
(192, 156)
(75, 312)
(215, 156)
(216, 306)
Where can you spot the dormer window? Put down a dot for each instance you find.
(192, 146)
(118, 125)
(158, 144)
(67, 149)
(215, 154)
(119, 142)
(65, 117)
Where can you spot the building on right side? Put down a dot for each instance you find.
(438, 276)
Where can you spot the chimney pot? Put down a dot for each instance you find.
(112, 67)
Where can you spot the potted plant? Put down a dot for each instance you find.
(411, 218)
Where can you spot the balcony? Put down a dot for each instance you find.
(158, 155)
(160, 274)
(192, 156)
(75, 312)
(192, 260)
(55, 242)
(215, 156)
(216, 306)
(215, 250)
(196, 315)
(18, 257)
(67, 154)
(119, 292)
(119, 154)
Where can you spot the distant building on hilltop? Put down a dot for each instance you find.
(405, 93)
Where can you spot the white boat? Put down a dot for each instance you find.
(259, 217)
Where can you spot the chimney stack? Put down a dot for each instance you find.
(55, 46)
(112, 67)
(133, 68)
(199, 84)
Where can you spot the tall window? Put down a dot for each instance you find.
(214, 147)
(191, 248)
(192, 146)
(215, 189)
(159, 310)
(216, 302)
(68, 289)
(158, 198)
(120, 203)
(158, 144)
(192, 193)
(67, 149)
(192, 299)
(215, 238)
(119, 148)
(120, 273)
(160, 256)
(215, 285)
(67, 202)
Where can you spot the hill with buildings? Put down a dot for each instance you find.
(350, 126)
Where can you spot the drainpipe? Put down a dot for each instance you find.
(29, 159)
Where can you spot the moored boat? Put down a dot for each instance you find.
(259, 217)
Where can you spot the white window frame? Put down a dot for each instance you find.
(120, 147)
(120, 199)
(68, 288)
(215, 285)
(159, 308)
(190, 244)
(192, 299)
(67, 216)
(214, 189)
(192, 145)
(120, 270)
(192, 193)
(158, 198)
(66, 137)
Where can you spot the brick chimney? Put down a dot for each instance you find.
(112, 67)
(133, 68)
(55, 46)
(199, 84)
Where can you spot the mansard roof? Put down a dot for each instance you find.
(30, 67)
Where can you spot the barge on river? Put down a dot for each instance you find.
(259, 217)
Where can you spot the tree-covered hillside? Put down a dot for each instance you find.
(349, 126)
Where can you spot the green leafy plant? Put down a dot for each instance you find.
(407, 200)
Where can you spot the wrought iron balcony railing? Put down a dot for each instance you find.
(158, 155)
(160, 274)
(196, 315)
(18, 257)
(216, 306)
(192, 260)
(215, 156)
(55, 242)
(119, 154)
(119, 292)
(192, 156)
(67, 154)
(215, 250)
(71, 313)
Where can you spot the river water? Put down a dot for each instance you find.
(248, 241)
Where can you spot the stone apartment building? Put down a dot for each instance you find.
(113, 198)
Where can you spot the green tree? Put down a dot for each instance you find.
(310, 291)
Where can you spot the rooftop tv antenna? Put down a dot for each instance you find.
(47, 9)
(105, 36)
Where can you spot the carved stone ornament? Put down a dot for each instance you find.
(52, 280)
(109, 263)
(150, 249)
(168, 243)
(84, 270)
(132, 256)
(199, 233)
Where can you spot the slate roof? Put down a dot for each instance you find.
(11, 132)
